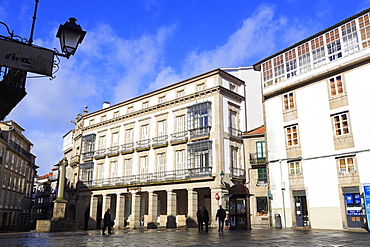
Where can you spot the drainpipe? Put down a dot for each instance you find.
(282, 192)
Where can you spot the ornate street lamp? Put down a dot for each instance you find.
(70, 35)
(222, 176)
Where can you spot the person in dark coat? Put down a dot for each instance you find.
(200, 219)
(221, 215)
(107, 222)
(205, 218)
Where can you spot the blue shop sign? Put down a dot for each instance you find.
(367, 200)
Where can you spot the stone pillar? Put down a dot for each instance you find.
(120, 211)
(152, 211)
(93, 212)
(171, 210)
(215, 206)
(105, 206)
(192, 208)
(135, 211)
(59, 211)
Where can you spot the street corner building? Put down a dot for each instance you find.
(17, 172)
(160, 156)
(315, 97)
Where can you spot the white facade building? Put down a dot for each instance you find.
(315, 97)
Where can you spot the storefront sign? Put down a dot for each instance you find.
(26, 57)
(367, 201)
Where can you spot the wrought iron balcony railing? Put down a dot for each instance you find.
(160, 140)
(100, 153)
(113, 150)
(127, 148)
(237, 172)
(88, 155)
(235, 133)
(143, 144)
(13, 145)
(148, 177)
(200, 132)
(181, 136)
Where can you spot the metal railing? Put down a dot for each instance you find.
(199, 132)
(100, 152)
(148, 177)
(237, 172)
(113, 150)
(159, 140)
(254, 159)
(19, 149)
(88, 155)
(235, 133)
(179, 136)
(143, 143)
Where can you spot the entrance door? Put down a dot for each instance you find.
(301, 211)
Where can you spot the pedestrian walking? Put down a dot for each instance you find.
(107, 222)
(200, 219)
(221, 215)
(205, 218)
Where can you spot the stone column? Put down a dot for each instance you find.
(152, 210)
(135, 211)
(59, 211)
(106, 205)
(192, 208)
(215, 206)
(93, 212)
(120, 211)
(171, 210)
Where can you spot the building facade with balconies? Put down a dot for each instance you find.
(160, 155)
(315, 96)
(17, 172)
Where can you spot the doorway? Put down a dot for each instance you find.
(301, 210)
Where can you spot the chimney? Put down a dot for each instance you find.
(106, 104)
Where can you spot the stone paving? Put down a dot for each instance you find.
(190, 237)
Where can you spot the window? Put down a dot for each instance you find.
(101, 142)
(86, 171)
(130, 109)
(143, 165)
(291, 63)
(91, 122)
(100, 172)
(199, 119)
(336, 85)
(261, 205)
(333, 45)
(232, 119)
(88, 145)
(364, 24)
(145, 132)
(200, 87)
(318, 52)
(129, 136)
(161, 165)
(350, 39)
(116, 114)
(234, 157)
(180, 93)
(162, 99)
(292, 135)
(180, 161)
(113, 169)
(261, 151)
(128, 167)
(267, 73)
(340, 122)
(145, 104)
(262, 176)
(115, 139)
(304, 58)
(289, 101)
(279, 68)
(232, 87)
(199, 155)
(180, 123)
(294, 168)
(346, 165)
(103, 118)
(162, 128)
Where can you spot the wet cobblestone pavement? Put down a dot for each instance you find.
(189, 237)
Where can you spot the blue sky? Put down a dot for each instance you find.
(133, 47)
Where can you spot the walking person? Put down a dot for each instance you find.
(205, 218)
(107, 222)
(221, 215)
(200, 219)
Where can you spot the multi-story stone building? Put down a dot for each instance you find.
(160, 155)
(315, 97)
(257, 177)
(17, 172)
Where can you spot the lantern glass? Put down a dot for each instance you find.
(70, 35)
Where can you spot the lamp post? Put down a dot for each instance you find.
(222, 176)
(19, 56)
